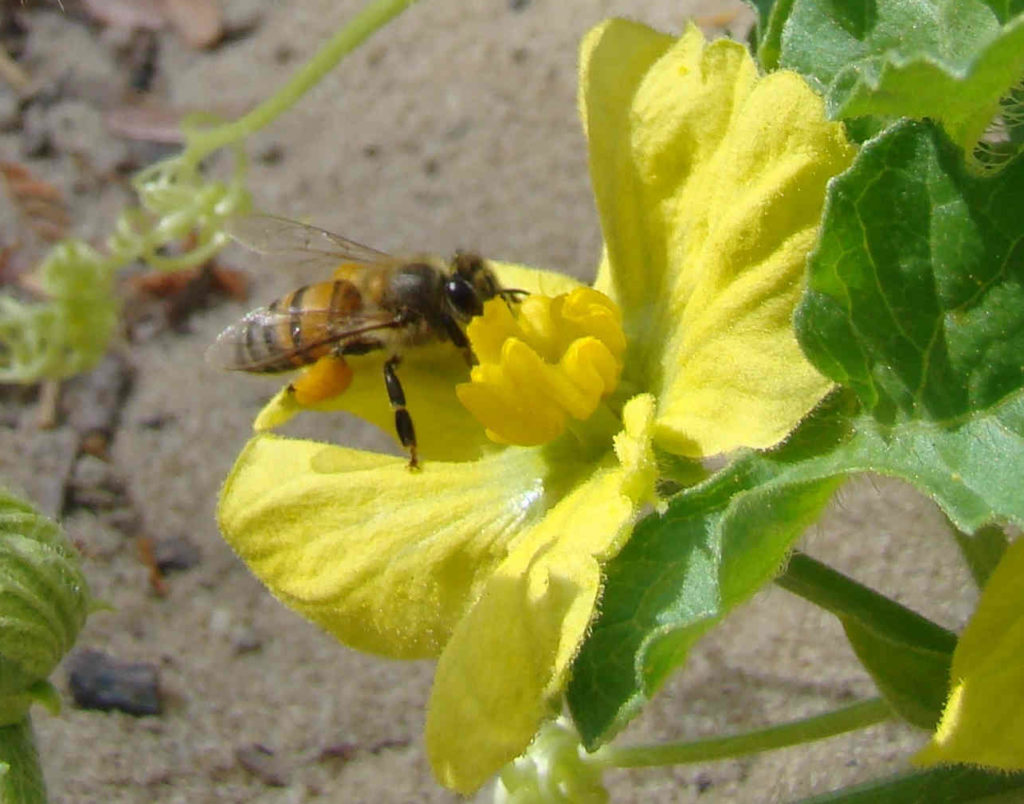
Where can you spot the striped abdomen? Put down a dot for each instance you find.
(293, 331)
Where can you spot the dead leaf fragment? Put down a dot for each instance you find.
(40, 204)
(148, 122)
(147, 555)
(167, 284)
(151, 121)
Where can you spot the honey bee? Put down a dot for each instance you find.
(374, 302)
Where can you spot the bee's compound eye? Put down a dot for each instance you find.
(463, 296)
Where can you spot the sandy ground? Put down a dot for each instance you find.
(456, 127)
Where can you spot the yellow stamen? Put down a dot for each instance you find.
(541, 362)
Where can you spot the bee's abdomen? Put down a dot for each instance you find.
(298, 328)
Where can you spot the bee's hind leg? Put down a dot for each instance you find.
(403, 421)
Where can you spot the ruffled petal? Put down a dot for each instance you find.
(509, 658)
(614, 58)
(710, 182)
(983, 723)
(384, 558)
(445, 431)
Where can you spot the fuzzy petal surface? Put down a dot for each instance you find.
(983, 723)
(386, 559)
(710, 182)
(509, 658)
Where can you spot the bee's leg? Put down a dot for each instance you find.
(458, 337)
(403, 421)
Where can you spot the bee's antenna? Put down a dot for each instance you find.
(511, 296)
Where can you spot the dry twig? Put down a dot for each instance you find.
(40, 203)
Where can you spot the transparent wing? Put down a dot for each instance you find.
(301, 244)
(255, 341)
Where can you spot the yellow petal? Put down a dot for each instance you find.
(385, 559)
(445, 431)
(614, 58)
(635, 452)
(509, 658)
(710, 183)
(983, 723)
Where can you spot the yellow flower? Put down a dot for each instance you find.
(983, 722)
(709, 182)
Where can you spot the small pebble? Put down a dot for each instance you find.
(246, 640)
(176, 553)
(99, 681)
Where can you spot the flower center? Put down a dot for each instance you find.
(541, 362)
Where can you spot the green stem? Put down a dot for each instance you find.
(844, 597)
(21, 777)
(856, 716)
(373, 17)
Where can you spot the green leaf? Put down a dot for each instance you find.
(913, 679)
(907, 655)
(763, 8)
(921, 313)
(680, 573)
(939, 786)
(973, 469)
(916, 294)
(982, 550)
(965, 98)
(21, 777)
(951, 60)
(43, 603)
(771, 14)
(821, 40)
(1006, 9)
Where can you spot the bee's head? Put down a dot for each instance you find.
(469, 285)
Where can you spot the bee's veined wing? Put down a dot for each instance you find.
(299, 243)
(264, 337)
